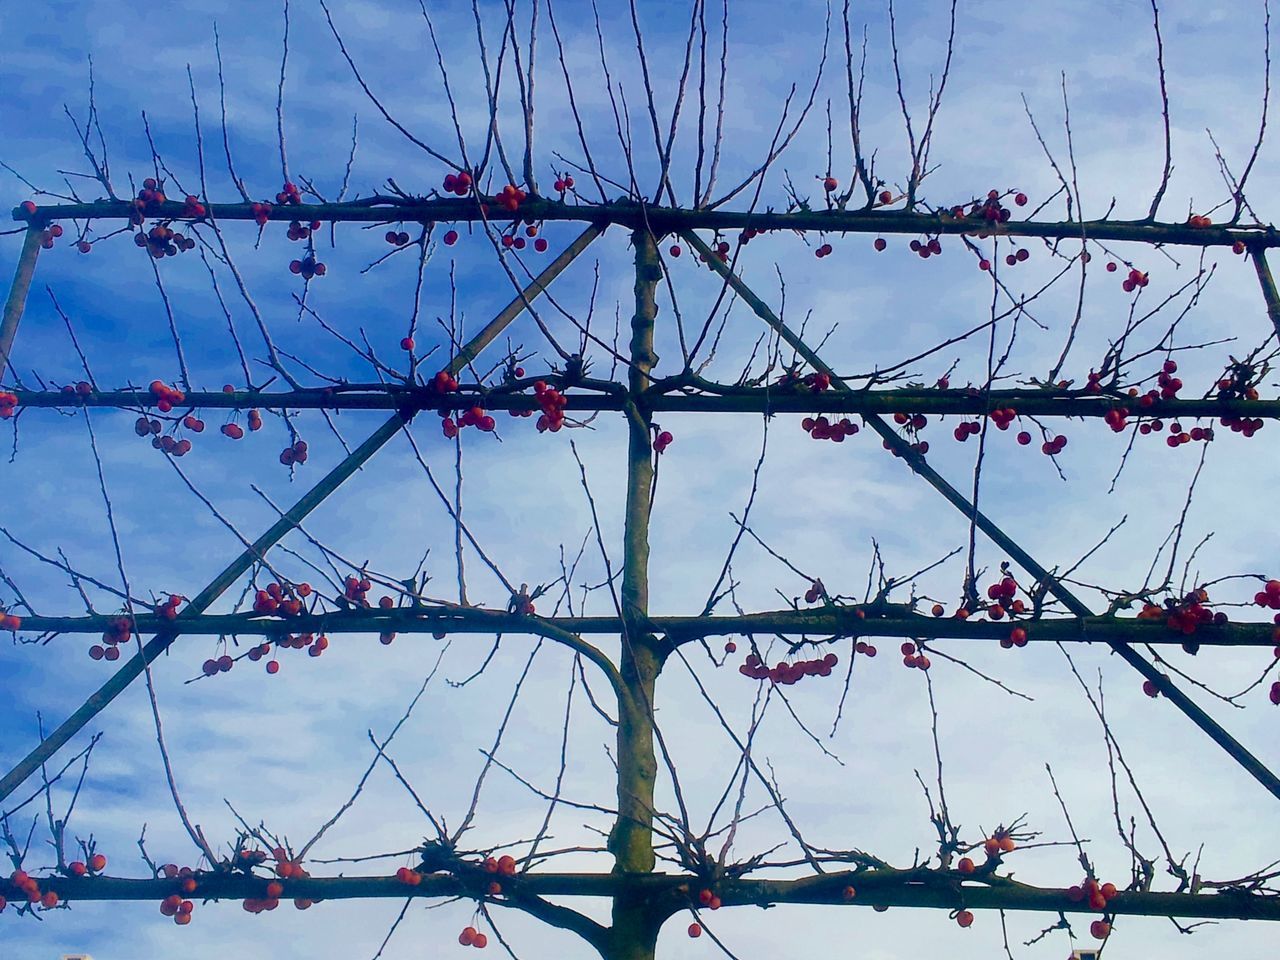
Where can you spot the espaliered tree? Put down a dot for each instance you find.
(533, 214)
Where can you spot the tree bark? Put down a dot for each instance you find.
(635, 925)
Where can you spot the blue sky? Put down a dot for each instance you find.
(288, 749)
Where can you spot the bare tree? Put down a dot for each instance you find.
(663, 178)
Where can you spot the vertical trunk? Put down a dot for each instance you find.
(634, 926)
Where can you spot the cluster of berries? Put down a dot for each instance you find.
(169, 609)
(285, 868)
(820, 428)
(721, 251)
(707, 898)
(1169, 384)
(930, 248)
(162, 241)
(149, 197)
(261, 213)
(1017, 638)
(998, 843)
(49, 235)
(471, 937)
(1178, 436)
(214, 666)
(314, 646)
(1238, 384)
(1003, 417)
(282, 598)
(552, 403)
(178, 908)
(117, 633)
(563, 183)
(459, 184)
(1135, 280)
(167, 397)
(1247, 426)
(1186, 615)
(473, 417)
(1051, 447)
(95, 864)
(30, 888)
(297, 231)
(1018, 256)
(991, 210)
(308, 267)
(913, 659)
(289, 194)
(397, 239)
(1115, 419)
(444, 382)
(504, 866)
(514, 240)
(1097, 895)
(788, 673)
(356, 589)
(295, 453)
(171, 445)
(511, 197)
(914, 422)
(1269, 596)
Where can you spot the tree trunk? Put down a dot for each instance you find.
(635, 925)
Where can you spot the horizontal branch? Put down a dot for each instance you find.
(662, 220)
(836, 621)
(369, 396)
(879, 887)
